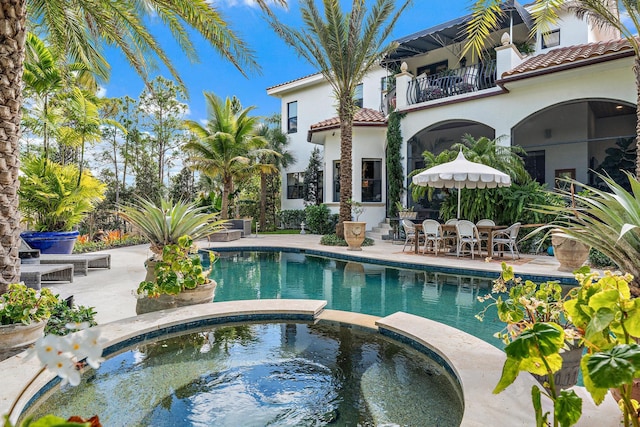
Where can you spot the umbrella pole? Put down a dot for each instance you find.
(459, 190)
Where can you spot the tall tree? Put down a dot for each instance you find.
(225, 145)
(622, 15)
(79, 28)
(164, 114)
(344, 47)
(312, 178)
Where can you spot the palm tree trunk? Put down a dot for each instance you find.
(346, 129)
(636, 70)
(12, 38)
(226, 191)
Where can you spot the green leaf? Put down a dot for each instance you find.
(598, 394)
(600, 321)
(510, 371)
(606, 299)
(567, 408)
(614, 367)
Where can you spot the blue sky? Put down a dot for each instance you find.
(279, 62)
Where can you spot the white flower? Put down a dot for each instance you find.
(47, 349)
(76, 326)
(93, 347)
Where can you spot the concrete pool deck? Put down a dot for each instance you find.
(110, 292)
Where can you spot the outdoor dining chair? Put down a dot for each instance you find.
(508, 238)
(409, 232)
(467, 235)
(432, 235)
(449, 237)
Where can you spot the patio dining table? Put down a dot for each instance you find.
(451, 228)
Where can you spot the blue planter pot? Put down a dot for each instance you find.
(51, 242)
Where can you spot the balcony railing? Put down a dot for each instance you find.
(452, 82)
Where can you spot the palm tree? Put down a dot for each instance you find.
(277, 141)
(623, 15)
(343, 47)
(78, 28)
(225, 145)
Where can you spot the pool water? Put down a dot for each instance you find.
(358, 287)
(275, 374)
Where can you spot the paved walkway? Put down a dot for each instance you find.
(111, 291)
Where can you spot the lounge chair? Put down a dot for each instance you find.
(34, 274)
(81, 262)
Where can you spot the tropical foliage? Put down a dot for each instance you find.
(54, 197)
(607, 220)
(228, 145)
(21, 304)
(504, 205)
(343, 47)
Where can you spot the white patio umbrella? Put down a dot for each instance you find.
(461, 173)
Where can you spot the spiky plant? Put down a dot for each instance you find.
(607, 220)
(165, 222)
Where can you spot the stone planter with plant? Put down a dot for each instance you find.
(54, 200)
(404, 212)
(355, 231)
(180, 279)
(23, 316)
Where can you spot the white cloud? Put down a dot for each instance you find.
(102, 92)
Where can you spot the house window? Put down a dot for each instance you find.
(551, 39)
(292, 117)
(295, 185)
(534, 163)
(336, 181)
(371, 180)
(359, 97)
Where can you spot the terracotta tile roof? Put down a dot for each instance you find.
(363, 117)
(292, 81)
(571, 55)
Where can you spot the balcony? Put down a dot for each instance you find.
(469, 79)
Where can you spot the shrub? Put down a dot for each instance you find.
(318, 219)
(291, 219)
(66, 312)
(334, 240)
(599, 260)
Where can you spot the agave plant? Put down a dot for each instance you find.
(164, 223)
(608, 221)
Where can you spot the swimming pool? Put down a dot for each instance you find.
(358, 287)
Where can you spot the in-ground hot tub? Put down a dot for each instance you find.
(305, 367)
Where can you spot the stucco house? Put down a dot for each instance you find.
(565, 100)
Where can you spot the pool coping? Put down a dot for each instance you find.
(475, 364)
(489, 272)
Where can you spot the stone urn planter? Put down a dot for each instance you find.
(16, 337)
(354, 234)
(407, 214)
(200, 295)
(567, 376)
(569, 252)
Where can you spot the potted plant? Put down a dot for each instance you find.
(404, 212)
(54, 199)
(602, 316)
(180, 279)
(527, 303)
(165, 222)
(23, 317)
(354, 231)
